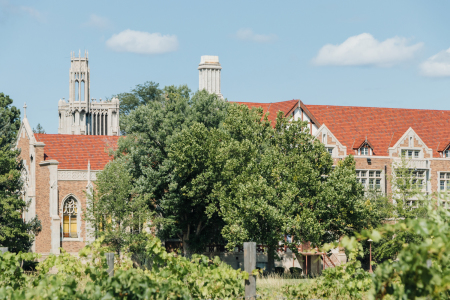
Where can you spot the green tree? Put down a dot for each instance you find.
(39, 129)
(407, 201)
(15, 234)
(114, 212)
(151, 129)
(142, 94)
(421, 270)
(267, 182)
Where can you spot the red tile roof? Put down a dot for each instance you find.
(383, 127)
(74, 151)
(273, 108)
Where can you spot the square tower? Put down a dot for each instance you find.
(81, 115)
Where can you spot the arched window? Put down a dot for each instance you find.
(70, 212)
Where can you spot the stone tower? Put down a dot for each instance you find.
(209, 74)
(81, 115)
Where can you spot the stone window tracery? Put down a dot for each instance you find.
(70, 213)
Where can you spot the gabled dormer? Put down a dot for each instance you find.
(332, 144)
(410, 146)
(363, 147)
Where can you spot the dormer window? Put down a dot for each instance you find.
(447, 153)
(365, 149)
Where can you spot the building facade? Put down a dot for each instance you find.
(59, 169)
(378, 138)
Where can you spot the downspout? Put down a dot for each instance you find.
(385, 180)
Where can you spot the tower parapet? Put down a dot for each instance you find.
(82, 115)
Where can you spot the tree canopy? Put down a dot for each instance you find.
(267, 182)
(151, 129)
(15, 234)
(115, 214)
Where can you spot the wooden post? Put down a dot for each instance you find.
(370, 258)
(110, 262)
(249, 266)
(3, 250)
(306, 257)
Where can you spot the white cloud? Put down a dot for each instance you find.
(98, 22)
(364, 49)
(22, 9)
(142, 42)
(246, 34)
(438, 65)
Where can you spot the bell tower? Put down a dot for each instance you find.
(82, 115)
(79, 78)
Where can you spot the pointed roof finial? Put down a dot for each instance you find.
(25, 110)
(79, 52)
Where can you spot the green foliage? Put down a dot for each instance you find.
(142, 94)
(39, 129)
(9, 121)
(117, 215)
(249, 174)
(14, 232)
(151, 130)
(347, 281)
(422, 268)
(405, 202)
(169, 277)
(11, 273)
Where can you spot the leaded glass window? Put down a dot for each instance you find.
(70, 229)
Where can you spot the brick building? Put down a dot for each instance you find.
(378, 137)
(59, 168)
(58, 172)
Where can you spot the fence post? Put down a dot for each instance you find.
(3, 250)
(249, 266)
(110, 262)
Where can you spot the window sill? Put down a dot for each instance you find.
(72, 239)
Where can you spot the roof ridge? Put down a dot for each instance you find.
(399, 108)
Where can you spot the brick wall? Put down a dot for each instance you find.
(24, 146)
(43, 240)
(441, 165)
(376, 164)
(77, 188)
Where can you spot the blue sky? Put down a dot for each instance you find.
(364, 53)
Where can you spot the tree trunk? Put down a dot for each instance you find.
(271, 259)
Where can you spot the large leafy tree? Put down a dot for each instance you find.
(114, 212)
(151, 130)
(14, 232)
(268, 182)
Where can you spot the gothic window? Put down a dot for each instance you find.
(70, 212)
